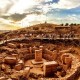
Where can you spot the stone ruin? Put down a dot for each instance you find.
(49, 67)
(57, 65)
(14, 68)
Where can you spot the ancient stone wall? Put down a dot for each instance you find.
(50, 55)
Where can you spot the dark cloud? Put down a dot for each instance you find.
(19, 17)
(7, 4)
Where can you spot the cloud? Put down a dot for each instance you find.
(17, 6)
(73, 18)
(31, 19)
(7, 25)
(5, 5)
(45, 8)
(48, 0)
(23, 6)
(66, 4)
(37, 11)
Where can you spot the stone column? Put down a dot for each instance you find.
(38, 55)
(30, 50)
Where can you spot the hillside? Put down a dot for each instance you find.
(45, 27)
(41, 29)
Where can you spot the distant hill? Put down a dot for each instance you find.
(44, 27)
(40, 28)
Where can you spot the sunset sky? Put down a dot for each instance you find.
(37, 11)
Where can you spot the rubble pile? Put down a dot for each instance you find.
(12, 66)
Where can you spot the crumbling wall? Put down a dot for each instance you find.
(29, 56)
(75, 73)
(72, 76)
(50, 55)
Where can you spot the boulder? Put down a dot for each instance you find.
(6, 68)
(21, 45)
(26, 72)
(9, 79)
(22, 73)
(3, 67)
(11, 45)
(2, 78)
(21, 62)
(1, 59)
(18, 67)
(15, 55)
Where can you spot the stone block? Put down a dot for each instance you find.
(9, 79)
(18, 67)
(68, 61)
(3, 67)
(30, 50)
(2, 78)
(41, 47)
(65, 67)
(37, 62)
(54, 55)
(63, 57)
(10, 60)
(49, 67)
(11, 45)
(15, 55)
(38, 55)
(1, 59)
(34, 48)
(48, 52)
(21, 62)
(26, 72)
(21, 45)
(22, 73)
